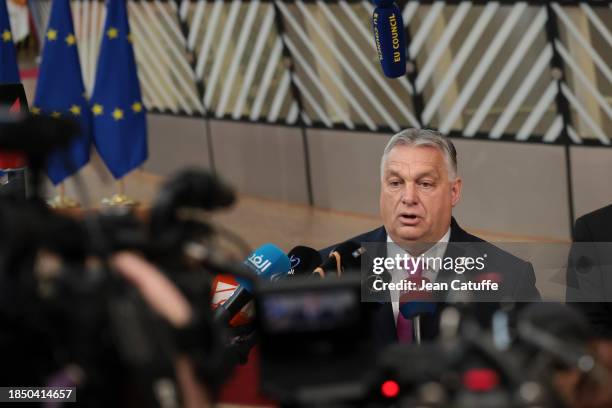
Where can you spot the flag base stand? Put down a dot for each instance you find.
(119, 200)
(62, 202)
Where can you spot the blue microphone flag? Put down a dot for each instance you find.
(388, 26)
(266, 261)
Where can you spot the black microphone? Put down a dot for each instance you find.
(389, 36)
(345, 256)
(192, 188)
(176, 214)
(303, 261)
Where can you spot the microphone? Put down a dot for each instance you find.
(197, 188)
(345, 256)
(303, 261)
(389, 36)
(191, 188)
(416, 303)
(266, 261)
(350, 255)
(223, 287)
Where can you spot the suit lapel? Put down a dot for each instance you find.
(382, 322)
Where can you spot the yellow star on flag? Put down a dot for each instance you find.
(35, 110)
(112, 33)
(70, 39)
(118, 114)
(55, 114)
(97, 109)
(137, 107)
(130, 38)
(6, 36)
(51, 35)
(75, 109)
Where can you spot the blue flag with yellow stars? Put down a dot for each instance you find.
(119, 122)
(9, 74)
(60, 91)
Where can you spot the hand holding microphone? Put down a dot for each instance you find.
(388, 26)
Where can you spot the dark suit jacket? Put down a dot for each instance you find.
(517, 276)
(589, 272)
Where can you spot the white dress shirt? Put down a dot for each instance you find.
(397, 275)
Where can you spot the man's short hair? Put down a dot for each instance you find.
(423, 137)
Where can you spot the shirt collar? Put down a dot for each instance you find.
(445, 238)
(436, 250)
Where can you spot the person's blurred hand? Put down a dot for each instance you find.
(580, 391)
(591, 394)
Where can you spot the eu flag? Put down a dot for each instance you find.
(60, 91)
(119, 123)
(9, 74)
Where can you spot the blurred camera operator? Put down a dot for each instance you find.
(57, 354)
(167, 301)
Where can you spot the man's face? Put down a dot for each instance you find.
(416, 195)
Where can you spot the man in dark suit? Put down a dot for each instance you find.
(589, 273)
(419, 188)
(589, 290)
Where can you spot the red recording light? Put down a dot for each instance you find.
(480, 379)
(390, 389)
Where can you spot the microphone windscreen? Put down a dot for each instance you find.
(350, 254)
(390, 40)
(416, 302)
(383, 3)
(266, 261)
(303, 260)
(193, 187)
(223, 287)
(417, 308)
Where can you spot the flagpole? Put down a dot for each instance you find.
(62, 191)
